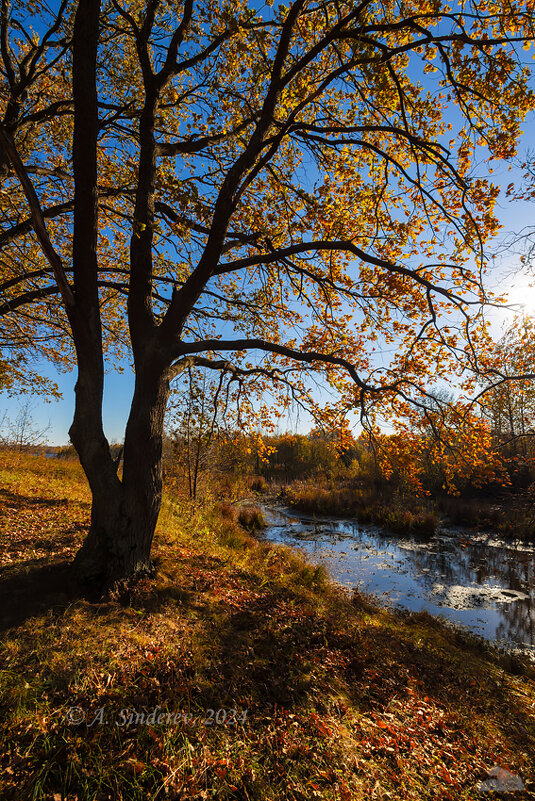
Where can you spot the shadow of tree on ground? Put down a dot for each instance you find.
(34, 588)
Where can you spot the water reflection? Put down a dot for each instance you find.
(473, 579)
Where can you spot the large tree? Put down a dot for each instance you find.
(271, 193)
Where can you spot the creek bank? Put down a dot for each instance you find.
(510, 516)
(480, 582)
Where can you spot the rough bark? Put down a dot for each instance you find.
(142, 474)
(125, 512)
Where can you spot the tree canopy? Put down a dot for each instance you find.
(277, 193)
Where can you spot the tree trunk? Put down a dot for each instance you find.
(124, 513)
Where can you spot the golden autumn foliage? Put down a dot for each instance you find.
(359, 202)
(508, 399)
(454, 444)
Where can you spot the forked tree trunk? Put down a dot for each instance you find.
(125, 512)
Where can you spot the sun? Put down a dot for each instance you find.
(520, 296)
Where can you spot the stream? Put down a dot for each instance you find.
(470, 578)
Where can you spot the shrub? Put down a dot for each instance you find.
(227, 510)
(251, 518)
(259, 484)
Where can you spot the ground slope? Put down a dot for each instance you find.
(272, 683)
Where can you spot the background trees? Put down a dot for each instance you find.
(510, 405)
(270, 194)
(196, 418)
(22, 432)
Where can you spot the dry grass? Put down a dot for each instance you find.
(345, 701)
(44, 507)
(259, 485)
(368, 505)
(251, 518)
(511, 516)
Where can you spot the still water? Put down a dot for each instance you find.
(470, 578)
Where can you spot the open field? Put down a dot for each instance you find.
(333, 697)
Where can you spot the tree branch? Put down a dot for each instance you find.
(307, 357)
(38, 221)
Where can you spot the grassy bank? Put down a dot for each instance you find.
(399, 514)
(511, 516)
(334, 697)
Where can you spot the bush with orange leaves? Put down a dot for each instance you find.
(446, 449)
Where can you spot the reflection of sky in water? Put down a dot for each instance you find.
(485, 584)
